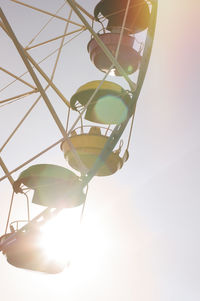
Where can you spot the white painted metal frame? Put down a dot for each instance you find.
(78, 10)
(45, 215)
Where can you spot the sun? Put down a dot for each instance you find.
(59, 236)
(75, 244)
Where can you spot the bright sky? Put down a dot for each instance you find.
(141, 237)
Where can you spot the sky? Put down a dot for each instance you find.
(141, 225)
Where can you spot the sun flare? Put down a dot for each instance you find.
(59, 236)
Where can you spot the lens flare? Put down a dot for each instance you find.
(110, 109)
(130, 69)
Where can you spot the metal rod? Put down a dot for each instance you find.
(122, 30)
(31, 159)
(8, 175)
(85, 11)
(19, 124)
(17, 77)
(54, 39)
(103, 46)
(18, 96)
(49, 81)
(45, 25)
(31, 108)
(148, 48)
(45, 12)
(23, 55)
(9, 212)
(3, 27)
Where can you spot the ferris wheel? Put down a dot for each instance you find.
(120, 36)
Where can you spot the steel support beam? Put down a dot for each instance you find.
(8, 175)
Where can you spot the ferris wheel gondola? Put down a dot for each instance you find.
(91, 150)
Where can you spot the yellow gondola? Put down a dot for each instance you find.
(108, 106)
(89, 146)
